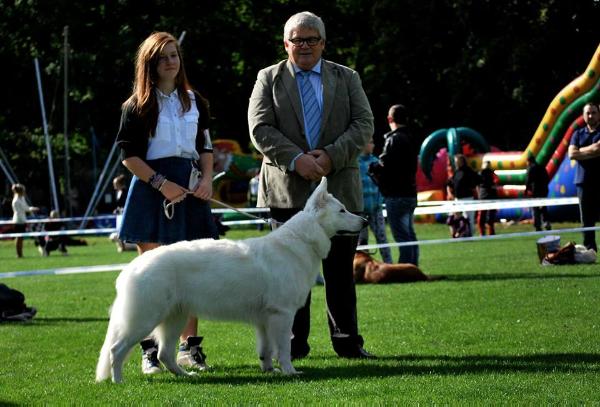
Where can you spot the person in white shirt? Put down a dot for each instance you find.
(20, 209)
(164, 140)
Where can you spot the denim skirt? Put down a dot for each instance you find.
(144, 219)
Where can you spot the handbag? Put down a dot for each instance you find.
(194, 178)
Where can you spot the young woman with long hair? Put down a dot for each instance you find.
(163, 137)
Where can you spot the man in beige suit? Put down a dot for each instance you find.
(310, 118)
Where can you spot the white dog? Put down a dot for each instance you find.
(262, 281)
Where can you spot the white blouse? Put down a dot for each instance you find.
(20, 209)
(175, 131)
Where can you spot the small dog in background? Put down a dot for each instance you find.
(369, 270)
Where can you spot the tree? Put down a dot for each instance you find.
(493, 66)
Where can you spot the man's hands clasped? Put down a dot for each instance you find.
(313, 165)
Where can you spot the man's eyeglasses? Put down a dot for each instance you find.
(310, 41)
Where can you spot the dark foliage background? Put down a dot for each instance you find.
(487, 64)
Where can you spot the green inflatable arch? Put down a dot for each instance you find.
(451, 139)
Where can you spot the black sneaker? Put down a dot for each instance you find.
(150, 363)
(190, 354)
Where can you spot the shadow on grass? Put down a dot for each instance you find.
(59, 320)
(515, 276)
(407, 365)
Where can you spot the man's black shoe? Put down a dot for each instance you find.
(358, 353)
(296, 356)
(299, 350)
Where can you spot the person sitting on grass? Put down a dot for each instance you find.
(47, 244)
(13, 307)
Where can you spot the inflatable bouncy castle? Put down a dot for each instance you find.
(548, 145)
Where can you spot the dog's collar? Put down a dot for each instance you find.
(346, 233)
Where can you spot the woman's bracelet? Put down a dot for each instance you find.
(162, 184)
(157, 180)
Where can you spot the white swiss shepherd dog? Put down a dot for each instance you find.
(262, 281)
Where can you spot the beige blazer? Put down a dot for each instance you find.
(276, 128)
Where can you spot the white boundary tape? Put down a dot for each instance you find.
(65, 270)
(474, 205)
(425, 208)
(36, 221)
(53, 220)
(479, 238)
(115, 267)
(73, 232)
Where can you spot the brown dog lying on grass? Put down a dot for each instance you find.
(369, 270)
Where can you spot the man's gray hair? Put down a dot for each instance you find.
(305, 19)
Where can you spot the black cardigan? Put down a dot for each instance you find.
(131, 140)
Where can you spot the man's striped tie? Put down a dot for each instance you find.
(312, 111)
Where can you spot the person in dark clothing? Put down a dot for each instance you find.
(13, 307)
(463, 184)
(536, 186)
(487, 190)
(585, 150)
(395, 174)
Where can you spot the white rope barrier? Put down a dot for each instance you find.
(73, 232)
(424, 208)
(475, 205)
(118, 267)
(35, 221)
(479, 238)
(65, 270)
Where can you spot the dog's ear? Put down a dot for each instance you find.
(323, 184)
(318, 198)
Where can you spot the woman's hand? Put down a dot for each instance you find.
(204, 189)
(173, 192)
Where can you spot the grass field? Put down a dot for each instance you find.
(500, 330)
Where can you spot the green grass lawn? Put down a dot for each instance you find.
(500, 330)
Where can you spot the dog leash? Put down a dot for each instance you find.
(337, 332)
(169, 209)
